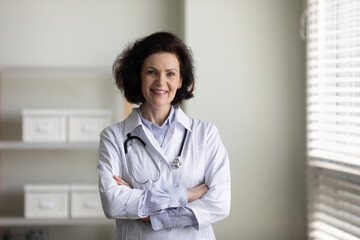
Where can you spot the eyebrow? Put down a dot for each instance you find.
(167, 70)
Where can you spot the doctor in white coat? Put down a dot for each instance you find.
(162, 174)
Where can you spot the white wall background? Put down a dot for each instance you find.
(250, 83)
(79, 33)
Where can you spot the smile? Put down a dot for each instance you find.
(159, 92)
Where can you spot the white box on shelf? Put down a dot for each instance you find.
(44, 125)
(85, 125)
(46, 201)
(85, 201)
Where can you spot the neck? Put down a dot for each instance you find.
(155, 115)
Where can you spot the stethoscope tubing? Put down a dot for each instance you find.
(130, 166)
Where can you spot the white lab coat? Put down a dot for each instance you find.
(204, 160)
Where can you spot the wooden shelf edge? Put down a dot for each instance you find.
(22, 222)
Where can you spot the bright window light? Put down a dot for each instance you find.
(333, 119)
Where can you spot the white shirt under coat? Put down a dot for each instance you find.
(204, 160)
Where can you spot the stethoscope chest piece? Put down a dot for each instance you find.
(176, 163)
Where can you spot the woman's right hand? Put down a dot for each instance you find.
(197, 192)
(120, 181)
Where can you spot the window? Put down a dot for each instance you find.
(333, 119)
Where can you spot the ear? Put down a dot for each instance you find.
(180, 83)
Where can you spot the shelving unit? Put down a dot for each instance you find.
(24, 222)
(19, 145)
(66, 162)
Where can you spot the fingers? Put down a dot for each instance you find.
(197, 192)
(120, 181)
(147, 219)
(204, 187)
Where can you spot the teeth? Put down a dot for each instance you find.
(159, 91)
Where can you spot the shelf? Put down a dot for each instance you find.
(21, 222)
(56, 69)
(19, 145)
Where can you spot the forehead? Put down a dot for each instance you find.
(162, 59)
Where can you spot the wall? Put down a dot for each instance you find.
(250, 83)
(80, 33)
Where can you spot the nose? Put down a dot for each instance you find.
(161, 79)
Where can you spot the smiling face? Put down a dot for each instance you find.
(160, 79)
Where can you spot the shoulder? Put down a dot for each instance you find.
(194, 124)
(113, 131)
(202, 127)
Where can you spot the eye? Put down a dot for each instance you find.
(151, 72)
(170, 74)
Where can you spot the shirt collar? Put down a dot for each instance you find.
(167, 122)
(134, 119)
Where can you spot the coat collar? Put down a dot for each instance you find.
(134, 120)
(182, 118)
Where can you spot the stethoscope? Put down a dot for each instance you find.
(176, 163)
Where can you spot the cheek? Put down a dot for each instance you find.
(176, 84)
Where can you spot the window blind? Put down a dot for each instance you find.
(333, 119)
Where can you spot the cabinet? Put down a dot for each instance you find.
(41, 163)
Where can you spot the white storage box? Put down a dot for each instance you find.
(86, 125)
(85, 201)
(46, 201)
(44, 125)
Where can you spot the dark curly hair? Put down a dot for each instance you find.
(127, 66)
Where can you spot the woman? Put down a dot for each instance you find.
(163, 175)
